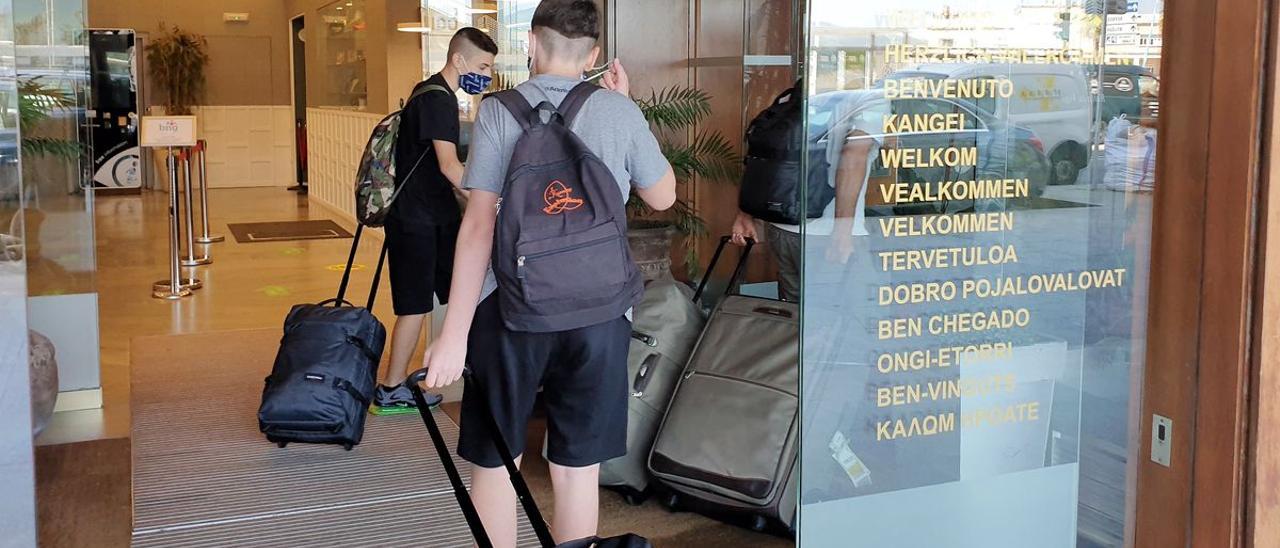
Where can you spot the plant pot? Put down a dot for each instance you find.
(651, 249)
(44, 381)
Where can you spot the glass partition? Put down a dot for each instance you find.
(17, 474)
(59, 191)
(974, 294)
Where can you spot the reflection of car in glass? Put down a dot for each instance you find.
(1050, 100)
(1004, 151)
(1129, 90)
(8, 146)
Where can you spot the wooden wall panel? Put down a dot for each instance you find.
(1234, 154)
(1177, 227)
(1202, 273)
(718, 50)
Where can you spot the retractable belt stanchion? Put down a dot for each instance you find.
(192, 259)
(205, 238)
(172, 289)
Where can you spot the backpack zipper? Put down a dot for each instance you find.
(520, 261)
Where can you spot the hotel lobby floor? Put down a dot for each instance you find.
(248, 286)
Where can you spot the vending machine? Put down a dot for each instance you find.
(111, 119)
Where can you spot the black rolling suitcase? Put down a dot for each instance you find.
(517, 480)
(326, 370)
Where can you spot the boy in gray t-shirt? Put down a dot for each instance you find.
(582, 372)
(610, 124)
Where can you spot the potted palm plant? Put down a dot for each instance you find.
(706, 155)
(176, 60)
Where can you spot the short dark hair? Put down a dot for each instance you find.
(572, 19)
(473, 36)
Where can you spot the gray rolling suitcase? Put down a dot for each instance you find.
(729, 441)
(665, 326)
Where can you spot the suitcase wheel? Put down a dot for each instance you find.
(634, 498)
(672, 502)
(759, 524)
(282, 444)
(347, 446)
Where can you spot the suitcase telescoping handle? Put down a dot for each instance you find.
(737, 271)
(459, 490)
(341, 299)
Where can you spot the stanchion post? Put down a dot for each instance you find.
(172, 289)
(192, 259)
(205, 237)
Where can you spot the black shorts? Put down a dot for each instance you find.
(421, 265)
(583, 376)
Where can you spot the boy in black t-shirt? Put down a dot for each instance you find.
(422, 228)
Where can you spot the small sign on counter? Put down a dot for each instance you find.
(168, 131)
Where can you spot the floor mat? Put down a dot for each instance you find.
(204, 475)
(286, 231)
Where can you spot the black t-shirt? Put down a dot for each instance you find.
(426, 198)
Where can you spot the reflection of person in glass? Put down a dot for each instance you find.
(850, 133)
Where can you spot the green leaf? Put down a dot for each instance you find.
(709, 155)
(48, 146)
(176, 60)
(36, 103)
(675, 108)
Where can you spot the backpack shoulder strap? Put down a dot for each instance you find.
(576, 99)
(518, 106)
(423, 90)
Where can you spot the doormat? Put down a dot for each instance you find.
(227, 486)
(286, 231)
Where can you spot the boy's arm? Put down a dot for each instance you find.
(660, 195)
(652, 177)
(450, 165)
(851, 179)
(447, 356)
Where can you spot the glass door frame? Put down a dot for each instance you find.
(1205, 237)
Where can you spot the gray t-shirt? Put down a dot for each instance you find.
(610, 124)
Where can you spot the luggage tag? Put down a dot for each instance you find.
(853, 466)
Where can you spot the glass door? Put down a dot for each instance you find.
(63, 174)
(975, 293)
(17, 473)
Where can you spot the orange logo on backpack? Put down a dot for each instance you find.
(559, 199)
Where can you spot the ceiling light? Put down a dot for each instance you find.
(413, 26)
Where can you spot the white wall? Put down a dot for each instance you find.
(335, 144)
(249, 145)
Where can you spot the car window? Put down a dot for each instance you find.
(1148, 86)
(936, 106)
(988, 104)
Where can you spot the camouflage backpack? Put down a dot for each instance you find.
(376, 187)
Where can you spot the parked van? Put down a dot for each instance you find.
(1129, 90)
(1052, 101)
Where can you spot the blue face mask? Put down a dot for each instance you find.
(474, 83)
